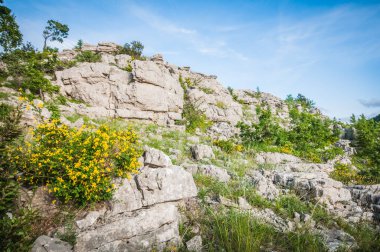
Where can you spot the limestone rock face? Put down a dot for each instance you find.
(150, 92)
(132, 231)
(275, 158)
(315, 185)
(155, 158)
(143, 213)
(219, 174)
(263, 184)
(367, 197)
(201, 151)
(165, 184)
(47, 244)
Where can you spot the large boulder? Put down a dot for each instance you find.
(201, 151)
(218, 173)
(315, 185)
(165, 184)
(143, 230)
(155, 158)
(142, 215)
(47, 244)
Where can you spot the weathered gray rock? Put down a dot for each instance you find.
(201, 151)
(89, 219)
(138, 231)
(47, 244)
(367, 197)
(243, 204)
(165, 184)
(345, 145)
(194, 244)
(218, 173)
(316, 185)
(264, 185)
(155, 158)
(275, 158)
(150, 92)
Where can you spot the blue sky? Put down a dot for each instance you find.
(327, 50)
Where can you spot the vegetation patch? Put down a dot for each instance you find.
(76, 164)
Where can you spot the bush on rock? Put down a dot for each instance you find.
(77, 164)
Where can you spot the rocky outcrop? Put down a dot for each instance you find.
(213, 171)
(201, 151)
(150, 92)
(367, 197)
(155, 158)
(47, 244)
(142, 214)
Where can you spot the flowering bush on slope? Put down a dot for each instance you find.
(77, 164)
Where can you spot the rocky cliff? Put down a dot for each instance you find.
(170, 189)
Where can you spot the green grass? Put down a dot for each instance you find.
(238, 231)
(4, 95)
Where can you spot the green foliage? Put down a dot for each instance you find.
(55, 31)
(221, 105)
(17, 233)
(10, 35)
(367, 144)
(76, 164)
(345, 174)
(27, 70)
(134, 49)
(265, 132)
(9, 131)
(79, 45)
(128, 68)
(289, 204)
(300, 99)
(193, 117)
(310, 136)
(238, 231)
(377, 118)
(228, 146)
(206, 90)
(88, 56)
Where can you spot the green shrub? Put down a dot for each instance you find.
(346, 174)
(194, 118)
(221, 105)
(17, 233)
(309, 136)
(228, 146)
(27, 69)
(9, 131)
(367, 144)
(88, 56)
(300, 99)
(265, 132)
(77, 164)
(134, 49)
(206, 90)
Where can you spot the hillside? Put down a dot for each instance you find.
(123, 153)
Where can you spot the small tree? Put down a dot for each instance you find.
(79, 45)
(10, 35)
(55, 31)
(134, 49)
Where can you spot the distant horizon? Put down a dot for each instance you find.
(328, 51)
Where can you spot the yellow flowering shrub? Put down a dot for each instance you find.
(228, 146)
(77, 164)
(346, 174)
